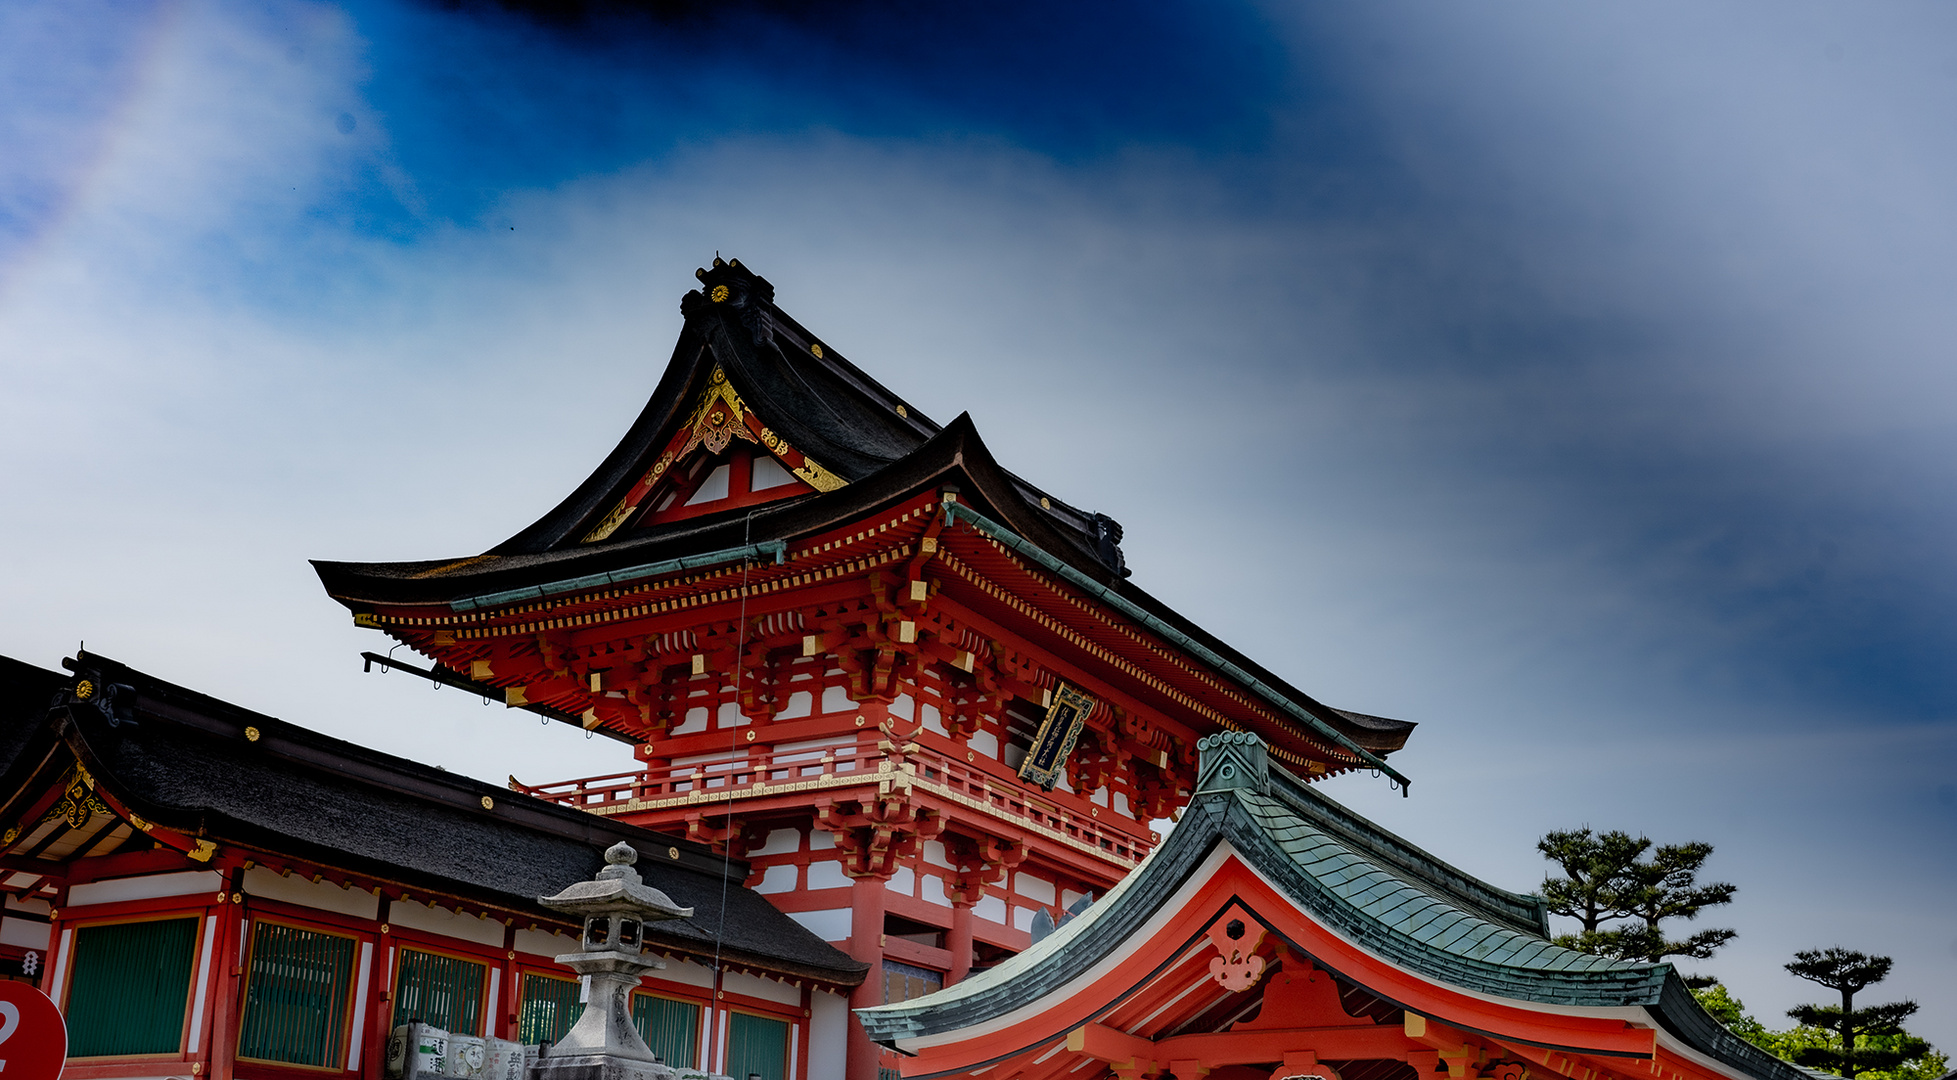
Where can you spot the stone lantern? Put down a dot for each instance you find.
(615, 907)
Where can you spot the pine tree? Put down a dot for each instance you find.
(1848, 973)
(1596, 866)
(1667, 888)
(1609, 880)
(1719, 1002)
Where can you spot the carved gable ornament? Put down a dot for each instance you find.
(719, 417)
(1236, 935)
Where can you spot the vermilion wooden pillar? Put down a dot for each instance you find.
(959, 942)
(866, 895)
(380, 1020)
(227, 993)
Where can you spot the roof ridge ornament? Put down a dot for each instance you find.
(749, 295)
(1233, 761)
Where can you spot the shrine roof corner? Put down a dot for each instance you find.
(1364, 885)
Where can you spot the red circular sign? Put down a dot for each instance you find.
(33, 1037)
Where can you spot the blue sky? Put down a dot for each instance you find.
(1573, 379)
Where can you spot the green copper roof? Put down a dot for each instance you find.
(1360, 881)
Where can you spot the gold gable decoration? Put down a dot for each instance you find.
(78, 804)
(717, 419)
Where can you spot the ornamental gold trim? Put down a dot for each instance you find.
(717, 428)
(78, 804)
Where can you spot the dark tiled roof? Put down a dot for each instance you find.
(187, 764)
(25, 691)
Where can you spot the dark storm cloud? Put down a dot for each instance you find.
(483, 97)
(1578, 248)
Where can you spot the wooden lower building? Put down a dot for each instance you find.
(1276, 935)
(206, 891)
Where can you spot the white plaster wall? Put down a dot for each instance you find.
(934, 890)
(686, 973)
(829, 924)
(322, 895)
(779, 842)
(432, 920)
(735, 982)
(25, 933)
(545, 943)
(991, 909)
(1033, 888)
(145, 888)
(827, 875)
(828, 1036)
(985, 743)
(835, 699)
(696, 720)
(777, 879)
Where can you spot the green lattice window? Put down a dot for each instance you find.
(443, 991)
(296, 996)
(130, 985)
(547, 1009)
(756, 1046)
(671, 1028)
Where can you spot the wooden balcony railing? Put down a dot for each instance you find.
(759, 772)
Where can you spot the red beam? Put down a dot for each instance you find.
(1122, 1050)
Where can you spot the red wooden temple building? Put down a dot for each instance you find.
(917, 693)
(208, 891)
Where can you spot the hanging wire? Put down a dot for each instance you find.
(734, 739)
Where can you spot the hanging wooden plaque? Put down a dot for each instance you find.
(1056, 737)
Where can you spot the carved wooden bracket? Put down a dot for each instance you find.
(1236, 936)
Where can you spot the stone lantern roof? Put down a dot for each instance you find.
(617, 890)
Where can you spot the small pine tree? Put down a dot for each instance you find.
(1866, 1040)
(1608, 880)
(1595, 866)
(1720, 1003)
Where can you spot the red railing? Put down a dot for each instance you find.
(760, 771)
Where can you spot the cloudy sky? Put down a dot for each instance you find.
(1575, 380)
